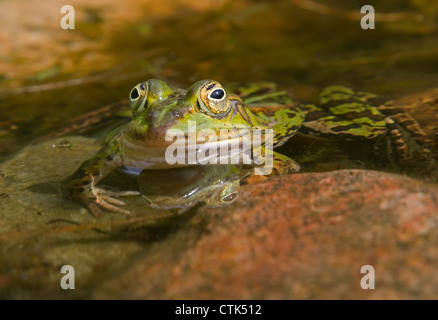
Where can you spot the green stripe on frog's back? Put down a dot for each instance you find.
(350, 122)
(277, 110)
(359, 112)
(344, 114)
(248, 90)
(267, 99)
(282, 119)
(336, 95)
(261, 96)
(288, 123)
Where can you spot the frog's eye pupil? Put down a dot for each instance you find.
(217, 94)
(134, 94)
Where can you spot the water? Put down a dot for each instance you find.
(277, 41)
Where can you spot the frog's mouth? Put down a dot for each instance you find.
(235, 148)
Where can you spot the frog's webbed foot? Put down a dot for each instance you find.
(82, 185)
(97, 199)
(107, 198)
(397, 139)
(284, 164)
(403, 118)
(398, 120)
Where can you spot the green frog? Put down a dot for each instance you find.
(141, 144)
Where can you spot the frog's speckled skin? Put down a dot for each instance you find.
(341, 114)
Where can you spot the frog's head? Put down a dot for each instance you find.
(158, 112)
(156, 108)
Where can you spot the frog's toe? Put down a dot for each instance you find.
(105, 202)
(111, 200)
(113, 193)
(92, 206)
(107, 199)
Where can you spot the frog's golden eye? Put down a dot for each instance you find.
(138, 97)
(215, 98)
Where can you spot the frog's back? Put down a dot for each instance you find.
(273, 106)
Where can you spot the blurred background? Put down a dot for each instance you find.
(49, 75)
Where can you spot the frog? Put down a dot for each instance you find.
(140, 144)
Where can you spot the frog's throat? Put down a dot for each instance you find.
(183, 152)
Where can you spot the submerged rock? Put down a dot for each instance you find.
(298, 236)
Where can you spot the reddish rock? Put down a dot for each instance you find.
(297, 236)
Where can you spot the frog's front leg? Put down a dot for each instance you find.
(82, 185)
(271, 162)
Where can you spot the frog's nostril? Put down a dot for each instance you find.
(134, 94)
